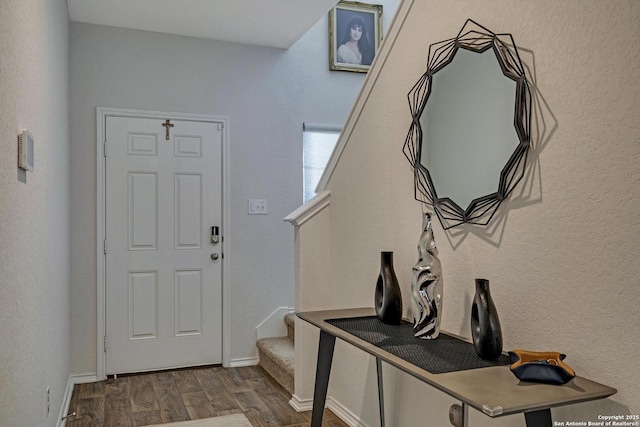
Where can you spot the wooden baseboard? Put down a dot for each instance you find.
(242, 362)
(66, 401)
(341, 411)
(344, 413)
(300, 405)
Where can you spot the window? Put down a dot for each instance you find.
(318, 142)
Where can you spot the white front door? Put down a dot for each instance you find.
(163, 280)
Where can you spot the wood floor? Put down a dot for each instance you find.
(187, 394)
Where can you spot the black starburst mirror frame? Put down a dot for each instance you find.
(481, 210)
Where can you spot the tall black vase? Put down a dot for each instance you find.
(485, 325)
(388, 301)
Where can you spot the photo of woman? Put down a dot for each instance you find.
(354, 35)
(355, 47)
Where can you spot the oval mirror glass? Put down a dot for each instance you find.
(468, 132)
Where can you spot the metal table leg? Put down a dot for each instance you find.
(380, 391)
(540, 418)
(465, 415)
(323, 369)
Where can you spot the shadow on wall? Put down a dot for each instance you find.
(529, 191)
(22, 175)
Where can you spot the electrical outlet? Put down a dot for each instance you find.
(258, 207)
(48, 400)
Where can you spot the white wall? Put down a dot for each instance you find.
(561, 256)
(34, 212)
(267, 93)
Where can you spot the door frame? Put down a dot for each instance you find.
(101, 126)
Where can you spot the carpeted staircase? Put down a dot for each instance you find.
(277, 355)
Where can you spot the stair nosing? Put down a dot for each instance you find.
(290, 319)
(284, 356)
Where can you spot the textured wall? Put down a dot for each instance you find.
(34, 212)
(562, 254)
(267, 93)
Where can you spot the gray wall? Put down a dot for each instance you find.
(267, 93)
(561, 255)
(34, 211)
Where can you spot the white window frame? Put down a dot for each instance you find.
(311, 174)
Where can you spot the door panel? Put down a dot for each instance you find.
(188, 211)
(188, 302)
(142, 305)
(163, 289)
(142, 221)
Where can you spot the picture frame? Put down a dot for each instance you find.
(351, 49)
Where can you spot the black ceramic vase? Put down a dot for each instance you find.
(485, 325)
(388, 301)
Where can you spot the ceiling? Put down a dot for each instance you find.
(273, 23)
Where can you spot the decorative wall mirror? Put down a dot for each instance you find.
(468, 140)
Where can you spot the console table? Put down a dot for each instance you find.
(489, 387)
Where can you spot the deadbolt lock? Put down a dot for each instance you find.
(215, 234)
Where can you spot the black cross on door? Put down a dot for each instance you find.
(167, 124)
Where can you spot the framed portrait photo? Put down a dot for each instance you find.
(355, 33)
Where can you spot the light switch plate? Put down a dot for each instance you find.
(258, 207)
(25, 150)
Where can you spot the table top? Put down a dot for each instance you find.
(492, 390)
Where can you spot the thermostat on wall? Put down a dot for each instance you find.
(25, 150)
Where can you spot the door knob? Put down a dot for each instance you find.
(214, 256)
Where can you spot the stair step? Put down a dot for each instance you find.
(290, 321)
(277, 357)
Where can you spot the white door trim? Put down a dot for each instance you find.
(101, 119)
